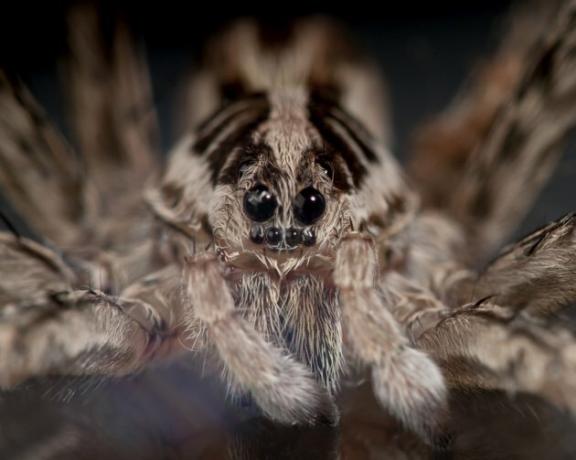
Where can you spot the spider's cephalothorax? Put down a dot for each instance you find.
(282, 240)
(288, 182)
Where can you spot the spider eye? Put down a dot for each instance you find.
(308, 237)
(259, 203)
(309, 205)
(326, 167)
(244, 167)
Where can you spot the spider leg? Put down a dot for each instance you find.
(488, 346)
(96, 202)
(111, 100)
(29, 270)
(537, 274)
(35, 163)
(414, 307)
(437, 256)
(283, 388)
(503, 337)
(76, 332)
(47, 326)
(405, 380)
(494, 150)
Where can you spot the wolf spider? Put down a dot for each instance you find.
(282, 241)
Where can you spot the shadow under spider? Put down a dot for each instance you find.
(171, 413)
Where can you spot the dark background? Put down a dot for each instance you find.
(426, 50)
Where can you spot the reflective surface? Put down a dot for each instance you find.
(171, 413)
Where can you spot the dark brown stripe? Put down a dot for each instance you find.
(542, 76)
(207, 134)
(339, 145)
(356, 131)
(340, 176)
(240, 119)
(275, 34)
(226, 106)
(205, 140)
(245, 155)
(512, 143)
(327, 103)
(9, 225)
(238, 138)
(483, 203)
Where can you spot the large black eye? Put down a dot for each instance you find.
(309, 205)
(259, 203)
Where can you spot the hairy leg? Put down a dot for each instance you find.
(442, 146)
(499, 339)
(49, 326)
(36, 162)
(437, 256)
(537, 274)
(414, 307)
(283, 388)
(111, 100)
(428, 272)
(76, 332)
(405, 380)
(84, 205)
(506, 336)
(484, 345)
(493, 151)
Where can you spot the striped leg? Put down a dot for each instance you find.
(484, 345)
(49, 327)
(284, 389)
(111, 101)
(508, 133)
(36, 163)
(405, 380)
(537, 274)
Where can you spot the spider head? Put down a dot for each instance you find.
(278, 196)
(287, 186)
(282, 176)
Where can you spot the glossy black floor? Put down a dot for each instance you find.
(171, 412)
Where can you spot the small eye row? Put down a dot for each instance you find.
(260, 204)
(276, 237)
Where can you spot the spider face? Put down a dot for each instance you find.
(260, 205)
(282, 191)
(283, 209)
